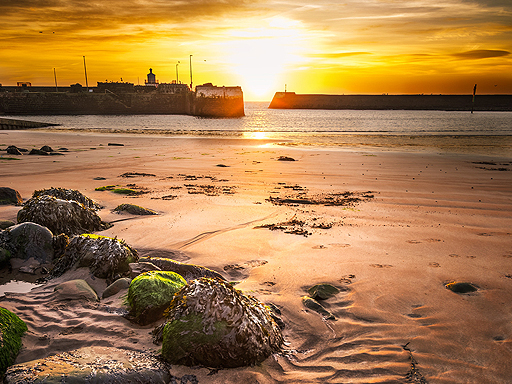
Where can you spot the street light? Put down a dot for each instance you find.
(190, 72)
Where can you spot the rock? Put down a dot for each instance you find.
(28, 266)
(13, 150)
(106, 257)
(151, 293)
(38, 152)
(142, 266)
(285, 158)
(68, 194)
(116, 287)
(46, 148)
(323, 291)
(75, 290)
(188, 271)
(9, 196)
(134, 209)
(29, 239)
(461, 288)
(115, 145)
(317, 307)
(4, 224)
(212, 324)
(60, 242)
(92, 365)
(11, 330)
(61, 216)
(5, 256)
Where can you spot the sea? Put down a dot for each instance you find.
(486, 133)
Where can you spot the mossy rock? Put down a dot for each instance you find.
(68, 194)
(150, 294)
(125, 191)
(212, 324)
(9, 196)
(106, 257)
(134, 209)
(323, 291)
(105, 188)
(61, 216)
(11, 330)
(5, 256)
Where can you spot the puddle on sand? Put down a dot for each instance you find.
(17, 287)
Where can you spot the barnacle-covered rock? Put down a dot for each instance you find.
(68, 194)
(106, 257)
(92, 365)
(61, 216)
(11, 330)
(150, 294)
(213, 324)
(188, 271)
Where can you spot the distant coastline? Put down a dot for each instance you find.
(291, 100)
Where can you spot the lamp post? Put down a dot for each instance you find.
(177, 80)
(190, 72)
(86, 81)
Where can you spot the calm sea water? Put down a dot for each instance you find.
(480, 132)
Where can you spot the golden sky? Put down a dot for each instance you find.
(352, 46)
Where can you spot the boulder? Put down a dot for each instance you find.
(92, 365)
(138, 268)
(11, 330)
(151, 293)
(9, 196)
(4, 224)
(38, 152)
(461, 287)
(46, 148)
(5, 256)
(75, 290)
(61, 216)
(28, 240)
(211, 323)
(134, 209)
(116, 287)
(106, 257)
(188, 271)
(68, 194)
(323, 291)
(13, 150)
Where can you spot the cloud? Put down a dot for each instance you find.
(481, 54)
(338, 55)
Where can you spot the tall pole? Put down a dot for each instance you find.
(86, 80)
(473, 102)
(190, 72)
(177, 80)
(55, 77)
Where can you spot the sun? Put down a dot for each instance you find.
(259, 57)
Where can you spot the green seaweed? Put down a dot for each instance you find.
(151, 292)
(9, 158)
(186, 333)
(105, 188)
(11, 330)
(124, 191)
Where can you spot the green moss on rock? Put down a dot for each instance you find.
(125, 191)
(11, 330)
(150, 294)
(134, 209)
(323, 291)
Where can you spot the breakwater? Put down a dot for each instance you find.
(11, 124)
(291, 100)
(212, 101)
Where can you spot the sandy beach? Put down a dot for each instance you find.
(418, 221)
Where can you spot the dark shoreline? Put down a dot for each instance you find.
(291, 100)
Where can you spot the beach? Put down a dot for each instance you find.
(412, 222)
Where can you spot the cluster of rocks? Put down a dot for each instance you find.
(201, 318)
(45, 150)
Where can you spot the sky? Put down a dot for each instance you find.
(346, 47)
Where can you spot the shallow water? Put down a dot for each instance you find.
(17, 287)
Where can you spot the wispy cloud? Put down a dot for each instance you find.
(481, 54)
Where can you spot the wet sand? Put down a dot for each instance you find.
(423, 219)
